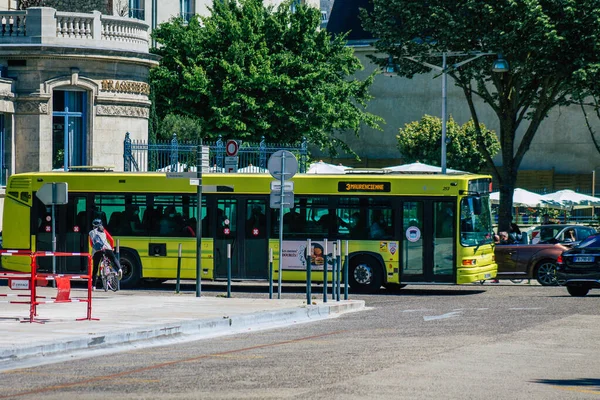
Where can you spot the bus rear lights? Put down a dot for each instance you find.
(468, 262)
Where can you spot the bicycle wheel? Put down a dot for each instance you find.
(104, 283)
(113, 282)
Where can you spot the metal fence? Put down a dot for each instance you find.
(178, 156)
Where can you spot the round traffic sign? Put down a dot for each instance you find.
(231, 148)
(282, 165)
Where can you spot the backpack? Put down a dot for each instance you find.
(97, 242)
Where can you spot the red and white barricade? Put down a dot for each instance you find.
(30, 281)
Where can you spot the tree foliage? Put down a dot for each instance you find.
(249, 70)
(551, 45)
(186, 128)
(420, 141)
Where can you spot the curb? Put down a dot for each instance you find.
(198, 328)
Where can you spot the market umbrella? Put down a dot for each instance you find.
(418, 167)
(525, 198)
(321, 167)
(569, 198)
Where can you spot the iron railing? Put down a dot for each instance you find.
(178, 156)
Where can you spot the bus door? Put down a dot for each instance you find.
(71, 229)
(428, 246)
(241, 222)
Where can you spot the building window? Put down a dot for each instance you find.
(68, 129)
(186, 8)
(136, 9)
(295, 4)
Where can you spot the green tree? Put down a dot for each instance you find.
(249, 70)
(420, 141)
(186, 128)
(551, 45)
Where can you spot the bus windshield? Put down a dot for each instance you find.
(475, 221)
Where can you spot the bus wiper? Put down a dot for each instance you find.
(479, 243)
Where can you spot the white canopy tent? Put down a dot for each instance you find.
(252, 169)
(321, 167)
(568, 198)
(525, 198)
(418, 167)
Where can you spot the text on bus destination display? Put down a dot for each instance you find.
(364, 186)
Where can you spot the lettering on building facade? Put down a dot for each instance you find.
(109, 85)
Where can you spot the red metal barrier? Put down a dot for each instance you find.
(30, 281)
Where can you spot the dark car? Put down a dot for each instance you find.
(528, 261)
(566, 234)
(579, 268)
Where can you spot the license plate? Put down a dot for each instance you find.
(488, 276)
(584, 259)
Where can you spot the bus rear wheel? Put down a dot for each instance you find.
(131, 270)
(365, 274)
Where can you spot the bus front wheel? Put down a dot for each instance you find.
(131, 270)
(365, 274)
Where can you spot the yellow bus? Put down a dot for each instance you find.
(402, 228)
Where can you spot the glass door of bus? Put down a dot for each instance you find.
(242, 223)
(428, 246)
(71, 231)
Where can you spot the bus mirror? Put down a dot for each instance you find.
(477, 205)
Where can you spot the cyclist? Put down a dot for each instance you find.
(101, 242)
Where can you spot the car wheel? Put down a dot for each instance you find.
(545, 273)
(577, 291)
(365, 274)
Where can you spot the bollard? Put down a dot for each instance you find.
(333, 268)
(325, 271)
(229, 270)
(178, 269)
(339, 270)
(279, 272)
(118, 257)
(308, 272)
(270, 272)
(346, 273)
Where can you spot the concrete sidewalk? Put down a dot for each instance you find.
(127, 318)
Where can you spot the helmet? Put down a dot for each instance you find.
(97, 222)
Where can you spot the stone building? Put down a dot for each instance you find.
(72, 84)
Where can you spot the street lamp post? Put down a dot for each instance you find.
(499, 65)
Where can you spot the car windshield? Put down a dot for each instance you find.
(475, 221)
(590, 241)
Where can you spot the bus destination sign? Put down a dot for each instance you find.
(379, 187)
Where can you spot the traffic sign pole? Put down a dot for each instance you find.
(281, 192)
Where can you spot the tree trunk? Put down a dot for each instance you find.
(507, 172)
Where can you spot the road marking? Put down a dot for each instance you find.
(443, 316)
(418, 310)
(525, 308)
(120, 375)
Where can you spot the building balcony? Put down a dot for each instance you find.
(42, 26)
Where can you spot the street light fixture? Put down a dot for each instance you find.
(500, 65)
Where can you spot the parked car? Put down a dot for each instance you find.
(559, 233)
(528, 261)
(579, 267)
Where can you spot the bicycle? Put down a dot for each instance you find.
(110, 277)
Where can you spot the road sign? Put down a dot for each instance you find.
(290, 165)
(231, 164)
(231, 148)
(275, 199)
(53, 193)
(288, 186)
(181, 175)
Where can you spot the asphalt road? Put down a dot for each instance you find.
(431, 342)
